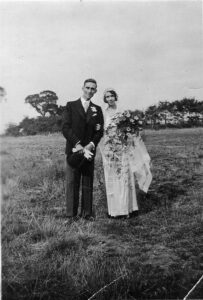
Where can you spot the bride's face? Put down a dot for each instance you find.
(110, 98)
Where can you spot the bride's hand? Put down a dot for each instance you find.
(98, 127)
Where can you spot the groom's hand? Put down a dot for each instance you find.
(88, 154)
(98, 127)
(78, 147)
(90, 146)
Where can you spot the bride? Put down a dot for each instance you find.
(123, 171)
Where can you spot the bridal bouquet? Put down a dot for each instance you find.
(122, 129)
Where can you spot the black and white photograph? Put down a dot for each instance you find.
(101, 150)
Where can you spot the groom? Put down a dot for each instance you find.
(83, 128)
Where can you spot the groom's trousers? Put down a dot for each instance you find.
(73, 179)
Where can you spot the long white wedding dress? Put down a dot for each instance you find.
(134, 168)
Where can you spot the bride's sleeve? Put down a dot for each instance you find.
(105, 116)
(101, 143)
(119, 109)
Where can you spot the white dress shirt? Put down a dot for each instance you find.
(85, 103)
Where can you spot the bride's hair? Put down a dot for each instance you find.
(112, 92)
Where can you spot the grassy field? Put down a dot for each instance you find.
(155, 255)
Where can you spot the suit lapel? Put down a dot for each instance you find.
(80, 108)
(89, 112)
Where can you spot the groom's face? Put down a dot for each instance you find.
(89, 89)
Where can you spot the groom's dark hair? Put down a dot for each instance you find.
(90, 80)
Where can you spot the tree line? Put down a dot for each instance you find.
(187, 112)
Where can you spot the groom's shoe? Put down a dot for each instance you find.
(89, 218)
(71, 220)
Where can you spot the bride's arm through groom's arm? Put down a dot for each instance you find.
(99, 130)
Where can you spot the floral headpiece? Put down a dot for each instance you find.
(109, 90)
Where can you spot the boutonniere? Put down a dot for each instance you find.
(93, 109)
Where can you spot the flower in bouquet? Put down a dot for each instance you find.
(120, 133)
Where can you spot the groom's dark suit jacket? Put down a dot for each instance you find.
(79, 125)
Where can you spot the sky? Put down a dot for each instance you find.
(147, 51)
